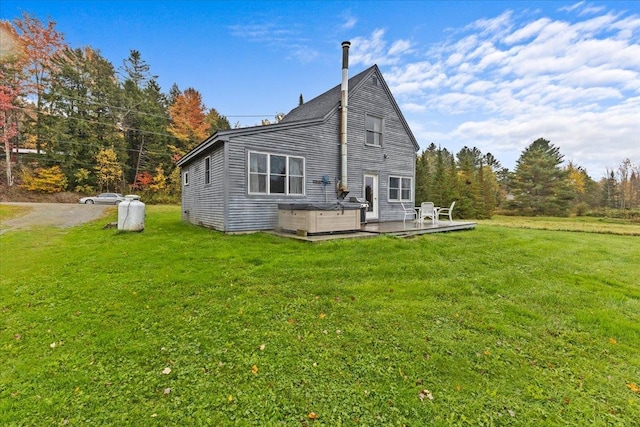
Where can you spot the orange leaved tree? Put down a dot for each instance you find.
(188, 120)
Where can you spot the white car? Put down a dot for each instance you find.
(103, 199)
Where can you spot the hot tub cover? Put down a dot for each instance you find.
(318, 206)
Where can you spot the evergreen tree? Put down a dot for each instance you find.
(468, 189)
(216, 121)
(81, 122)
(610, 191)
(540, 185)
(135, 109)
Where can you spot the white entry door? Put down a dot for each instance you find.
(371, 194)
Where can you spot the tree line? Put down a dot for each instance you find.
(93, 127)
(540, 185)
(97, 127)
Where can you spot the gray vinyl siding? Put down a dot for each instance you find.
(226, 204)
(396, 145)
(318, 146)
(203, 204)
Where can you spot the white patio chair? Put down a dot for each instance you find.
(428, 210)
(446, 211)
(408, 211)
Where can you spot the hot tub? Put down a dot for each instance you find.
(319, 217)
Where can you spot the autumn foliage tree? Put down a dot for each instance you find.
(108, 169)
(188, 120)
(8, 125)
(11, 55)
(41, 42)
(44, 180)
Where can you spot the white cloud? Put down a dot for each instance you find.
(349, 23)
(572, 7)
(414, 108)
(373, 49)
(399, 46)
(501, 83)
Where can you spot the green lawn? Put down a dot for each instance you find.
(180, 325)
(584, 223)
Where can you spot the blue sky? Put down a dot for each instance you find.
(494, 75)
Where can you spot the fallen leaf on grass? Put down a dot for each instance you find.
(52, 345)
(167, 391)
(230, 398)
(166, 371)
(313, 416)
(634, 387)
(262, 347)
(254, 369)
(425, 393)
(613, 341)
(17, 337)
(322, 315)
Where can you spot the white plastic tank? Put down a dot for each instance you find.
(131, 214)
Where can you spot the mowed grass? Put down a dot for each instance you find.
(180, 325)
(584, 223)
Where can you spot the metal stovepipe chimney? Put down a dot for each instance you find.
(343, 187)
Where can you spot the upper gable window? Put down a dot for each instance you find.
(373, 127)
(275, 174)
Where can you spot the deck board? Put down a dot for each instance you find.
(394, 228)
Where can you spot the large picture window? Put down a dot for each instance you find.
(275, 174)
(400, 189)
(373, 127)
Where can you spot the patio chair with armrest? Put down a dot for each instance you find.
(446, 211)
(428, 210)
(408, 211)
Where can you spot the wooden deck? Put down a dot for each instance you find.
(394, 228)
(411, 228)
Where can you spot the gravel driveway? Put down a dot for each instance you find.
(61, 215)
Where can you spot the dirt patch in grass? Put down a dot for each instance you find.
(61, 215)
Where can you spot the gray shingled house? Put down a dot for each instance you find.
(238, 180)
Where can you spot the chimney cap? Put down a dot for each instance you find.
(346, 43)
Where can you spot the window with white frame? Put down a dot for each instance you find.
(207, 170)
(185, 178)
(400, 189)
(373, 127)
(275, 174)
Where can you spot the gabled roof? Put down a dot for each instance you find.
(323, 105)
(320, 107)
(317, 109)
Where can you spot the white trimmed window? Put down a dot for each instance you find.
(373, 127)
(400, 189)
(185, 178)
(207, 170)
(275, 174)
